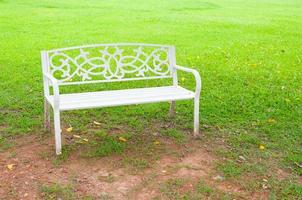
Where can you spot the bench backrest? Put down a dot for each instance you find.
(109, 63)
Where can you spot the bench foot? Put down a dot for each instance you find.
(196, 117)
(46, 116)
(57, 132)
(172, 109)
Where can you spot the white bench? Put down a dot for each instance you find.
(111, 63)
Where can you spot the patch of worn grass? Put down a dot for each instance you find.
(176, 135)
(4, 144)
(136, 163)
(108, 179)
(203, 191)
(104, 145)
(285, 189)
(231, 169)
(57, 191)
(170, 188)
(296, 159)
(59, 159)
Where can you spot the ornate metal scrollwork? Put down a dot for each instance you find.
(109, 63)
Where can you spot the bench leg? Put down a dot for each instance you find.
(57, 131)
(196, 117)
(46, 116)
(172, 109)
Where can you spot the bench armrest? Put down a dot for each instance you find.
(55, 86)
(197, 78)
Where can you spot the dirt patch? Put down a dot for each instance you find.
(32, 166)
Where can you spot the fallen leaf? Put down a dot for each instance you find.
(271, 121)
(76, 136)
(261, 147)
(155, 133)
(299, 165)
(264, 186)
(10, 166)
(122, 139)
(156, 142)
(69, 129)
(242, 158)
(96, 123)
(218, 178)
(85, 139)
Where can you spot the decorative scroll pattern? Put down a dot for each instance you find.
(109, 63)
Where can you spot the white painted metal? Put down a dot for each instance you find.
(121, 97)
(197, 96)
(175, 79)
(110, 63)
(159, 62)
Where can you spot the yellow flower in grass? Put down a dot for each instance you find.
(261, 147)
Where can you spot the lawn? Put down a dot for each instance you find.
(249, 54)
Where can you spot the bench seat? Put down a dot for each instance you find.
(121, 97)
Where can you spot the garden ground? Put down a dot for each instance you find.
(249, 56)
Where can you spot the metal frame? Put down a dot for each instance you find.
(49, 81)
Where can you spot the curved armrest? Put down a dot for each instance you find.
(197, 78)
(55, 86)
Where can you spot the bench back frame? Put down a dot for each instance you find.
(65, 60)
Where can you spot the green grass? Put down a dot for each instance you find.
(285, 189)
(248, 53)
(4, 144)
(174, 134)
(171, 189)
(105, 145)
(56, 191)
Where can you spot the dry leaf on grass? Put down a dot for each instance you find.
(122, 139)
(10, 166)
(96, 123)
(271, 121)
(69, 129)
(299, 165)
